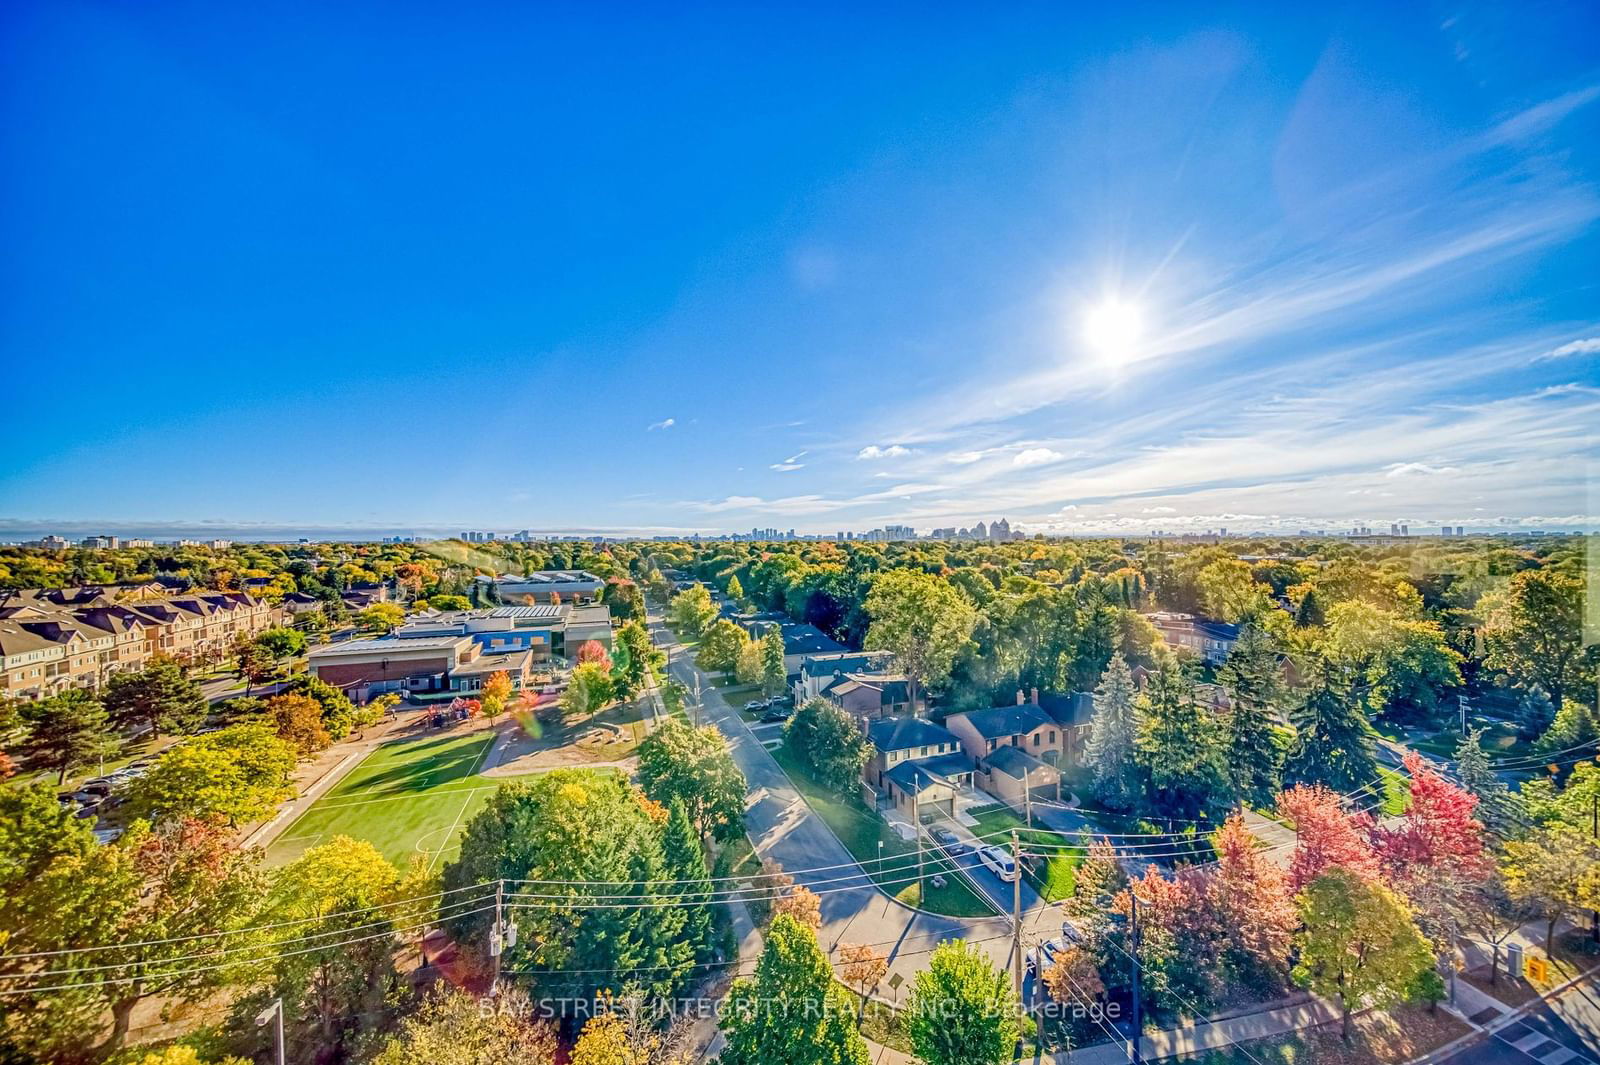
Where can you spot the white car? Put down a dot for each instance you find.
(999, 862)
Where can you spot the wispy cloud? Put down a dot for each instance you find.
(791, 463)
(1587, 346)
(664, 423)
(1402, 469)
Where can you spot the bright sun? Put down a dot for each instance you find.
(1112, 329)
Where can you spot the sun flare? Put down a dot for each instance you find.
(1112, 330)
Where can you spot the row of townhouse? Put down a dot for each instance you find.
(55, 639)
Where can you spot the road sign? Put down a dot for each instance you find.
(1536, 969)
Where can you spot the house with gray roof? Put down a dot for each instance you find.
(916, 766)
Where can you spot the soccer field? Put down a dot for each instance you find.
(405, 798)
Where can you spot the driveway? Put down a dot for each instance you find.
(784, 828)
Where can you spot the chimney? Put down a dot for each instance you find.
(1035, 695)
(1020, 699)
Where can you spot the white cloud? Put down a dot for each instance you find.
(1401, 469)
(665, 423)
(873, 451)
(1159, 510)
(1587, 346)
(1036, 456)
(965, 458)
(791, 463)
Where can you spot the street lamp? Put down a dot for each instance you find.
(274, 1012)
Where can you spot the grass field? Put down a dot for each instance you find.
(406, 798)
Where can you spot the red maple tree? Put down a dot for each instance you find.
(1326, 835)
(1437, 833)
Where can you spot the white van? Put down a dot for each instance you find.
(999, 862)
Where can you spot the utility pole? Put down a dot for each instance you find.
(497, 935)
(271, 1013)
(916, 826)
(1133, 953)
(1016, 914)
(1027, 795)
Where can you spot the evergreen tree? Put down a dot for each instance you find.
(792, 1010)
(67, 731)
(774, 675)
(686, 863)
(1574, 724)
(1109, 753)
(1180, 749)
(1310, 611)
(1333, 743)
(158, 696)
(1478, 778)
(1535, 713)
(1254, 748)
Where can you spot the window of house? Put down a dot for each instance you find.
(1038, 737)
(922, 752)
(1052, 735)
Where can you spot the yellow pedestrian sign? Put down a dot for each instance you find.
(1536, 969)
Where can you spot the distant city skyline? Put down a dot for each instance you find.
(1093, 271)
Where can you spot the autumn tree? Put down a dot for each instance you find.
(1254, 909)
(1359, 944)
(381, 617)
(720, 647)
(862, 966)
(1113, 735)
(239, 774)
(735, 589)
(1534, 630)
(692, 611)
(792, 1010)
(678, 762)
(593, 653)
(802, 904)
(588, 690)
(1555, 871)
(922, 620)
(496, 693)
(451, 1027)
(1326, 835)
(67, 731)
(297, 720)
(1492, 910)
(962, 1010)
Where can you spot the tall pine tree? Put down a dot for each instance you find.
(1109, 754)
(1253, 757)
(1180, 749)
(686, 864)
(1333, 743)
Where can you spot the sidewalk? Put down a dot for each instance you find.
(1191, 1039)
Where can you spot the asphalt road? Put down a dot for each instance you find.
(1563, 1031)
(784, 828)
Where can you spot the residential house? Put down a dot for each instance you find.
(916, 766)
(865, 696)
(816, 672)
(1206, 638)
(1026, 727)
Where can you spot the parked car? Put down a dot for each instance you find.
(946, 838)
(1044, 955)
(89, 809)
(999, 862)
(755, 706)
(107, 835)
(777, 713)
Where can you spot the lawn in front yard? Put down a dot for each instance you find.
(1052, 875)
(860, 830)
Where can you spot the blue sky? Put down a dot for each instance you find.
(643, 269)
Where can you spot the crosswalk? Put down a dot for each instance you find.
(1540, 1047)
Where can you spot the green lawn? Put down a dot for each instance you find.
(860, 830)
(1396, 792)
(406, 798)
(1053, 878)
